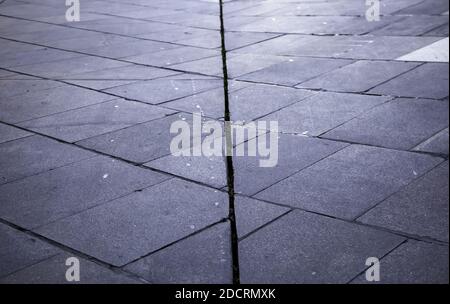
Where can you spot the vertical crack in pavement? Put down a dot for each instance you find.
(229, 155)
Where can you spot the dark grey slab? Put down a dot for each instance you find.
(442, 31)
(53, 271)
(34, 154)
(20, 250)
(351, 181)
(139, 47)
(412, 26)
(238, 64)
(65, 68)
(351, 47)
(413, 263)
(359, 76)
(173, 56)
(419, 209)
(294, 154)
(436, 144)
(252, 214)
(295, 71)
(163, 90)
(429, 7)
(8, 133)
(140, 143)
(94, 120)
(209, 103)
(204, 258)
(46, 102)
(47, 197)
(399, 124)
(429, 81)
(128, 228)
(322, 112)
(290, 251)
(23, 84)
(33, 57)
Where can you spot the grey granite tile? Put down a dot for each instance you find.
(423, 201)
(34, 154)
(435, 144)
(128, 228)
(290, 251)
(204, 258)
(399, 124)
(413, 263)
(322, 112)
(53, 195)
(350, 182)
(8, 133)
(359, 76)
(20, 250)
(79, 124)
(429, 80)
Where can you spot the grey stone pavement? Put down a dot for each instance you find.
(86, 171)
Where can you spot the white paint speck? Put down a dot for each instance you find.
(105, 176)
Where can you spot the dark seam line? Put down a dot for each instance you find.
(229, 157)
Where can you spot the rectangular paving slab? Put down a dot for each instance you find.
(359, 76)
(290, 251)
(8, 133)
(350, 182)
(430, 265)
(295, 70)
(20, 250)
(35, 154)
(204, 258)
(46, 102)
(423, 201)
(164, 90)
(322, 112)
(94, 120)
(429, 81)
(128, 228)
(53, 271)
(399, 124)
(53, 195)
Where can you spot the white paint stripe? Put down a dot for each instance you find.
(435, 52)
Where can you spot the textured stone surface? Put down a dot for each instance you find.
(351, 181)
(135, 225)
(385, 125)
(45, 198)
(35, 154)
(289, 251)
(413, 263)
(8, 133)
(423, 201)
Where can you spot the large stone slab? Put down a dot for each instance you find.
(322, 112)
(350, 182)
(133, 226)
(94, 120)
(413, 263)
(47, 197)
(35, 154)
(436, 144)
(53, 271)
(46, 102)
(359, 76)
(295, 70)
(306, 248)
(20, 250)
(399, 124)
(428, 81)
(8, 133)
(204, 258)
(423, 201)
(163, 90)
